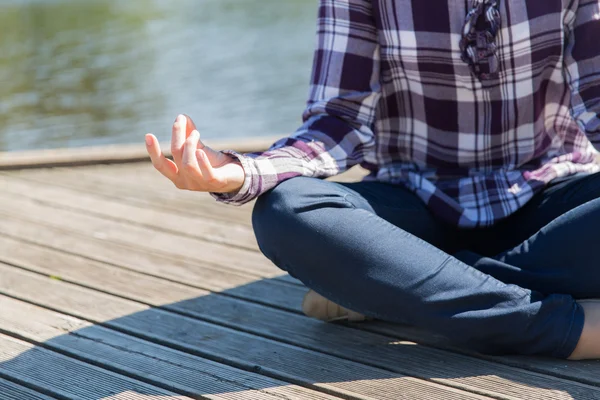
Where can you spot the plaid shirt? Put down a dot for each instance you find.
(391, 92)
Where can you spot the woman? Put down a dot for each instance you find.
(477, 121)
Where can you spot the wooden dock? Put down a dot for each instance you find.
(115, 285)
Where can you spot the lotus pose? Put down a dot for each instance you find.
(478, 123)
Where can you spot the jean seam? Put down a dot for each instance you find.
(345, 198)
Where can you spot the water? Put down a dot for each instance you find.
(93, 72)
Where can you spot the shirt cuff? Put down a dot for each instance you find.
(245, 194)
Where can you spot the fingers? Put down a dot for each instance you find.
(178, 138)
(194, 164)
(189, 163)
(216, 158)
(189, 126)
(189, 149)
(160, 162)
(207, 170)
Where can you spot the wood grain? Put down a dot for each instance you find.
(325, 338)
(231, 234)
(271, 293)
(151, 240)
(249, 352)
(53, 373)
(12, 391)
(239, 284)
(162, 195)
(154, 364)
(92, 242)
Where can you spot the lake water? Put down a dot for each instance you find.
(92, 72)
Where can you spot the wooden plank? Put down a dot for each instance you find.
(269, 292)
(12, 391)
(139, 184)
(331, 339)
(143, 178)
(231, 234)
(554, 366)
(66, 378)
(221, 344)
(62, 266)
(581, 371)
(203, 276)
(190, 227)
(266, 292)
(142, 195)
(256, 292)
(113, 153)
(150, 240)
(150, 290)
(154, 364)
(239, 259)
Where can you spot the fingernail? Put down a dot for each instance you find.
(148, 140)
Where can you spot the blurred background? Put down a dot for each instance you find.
(93, 72)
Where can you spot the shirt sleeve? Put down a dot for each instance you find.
(582, 66)
(337, 130)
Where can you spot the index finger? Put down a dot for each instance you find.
(178, 138)
(162, 164)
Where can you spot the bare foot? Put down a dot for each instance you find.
(316, 306)
(588, 346)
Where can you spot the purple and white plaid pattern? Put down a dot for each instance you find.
(390, 92)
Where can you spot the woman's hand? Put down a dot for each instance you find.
(196, 166)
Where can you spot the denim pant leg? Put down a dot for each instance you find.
(559, 253)
(330, 237)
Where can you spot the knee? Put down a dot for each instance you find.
(277, 202)
(275, 212)
(284, 216)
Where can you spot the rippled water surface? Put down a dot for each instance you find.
(91, 72)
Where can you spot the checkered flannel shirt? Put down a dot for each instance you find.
(390, 91)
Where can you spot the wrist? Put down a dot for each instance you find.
(236, 180)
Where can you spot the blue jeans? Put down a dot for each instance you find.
(376, 249)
